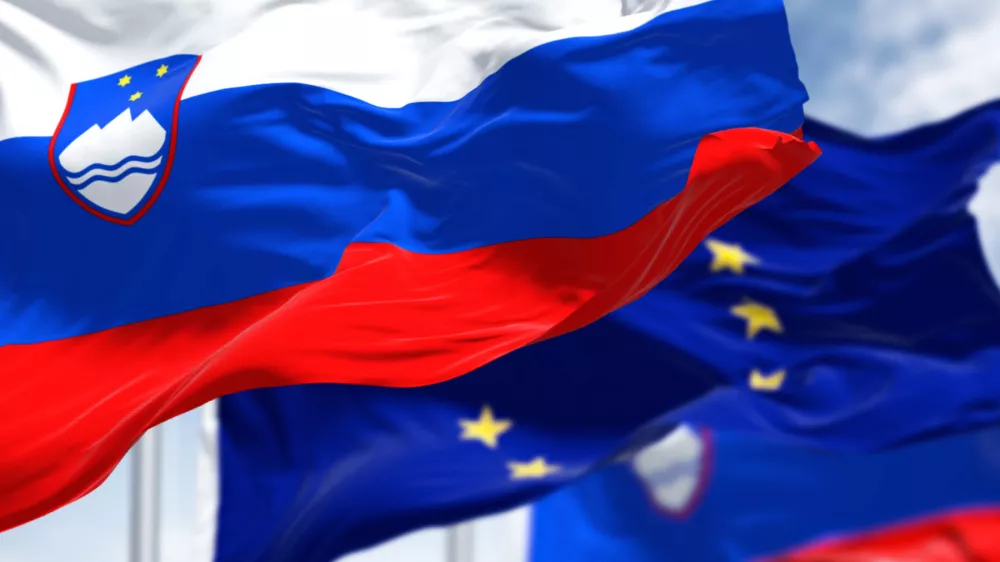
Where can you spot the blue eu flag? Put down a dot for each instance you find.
(856, 303)
(851, 310)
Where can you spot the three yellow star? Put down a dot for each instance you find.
(135, 96)
(536, 468)
(767, 383)
(487, 429)
(161, 71)
(124, 81)
(758, 317)
(729, 256)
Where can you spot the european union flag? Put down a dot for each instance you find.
(852, 309)
(856, 305)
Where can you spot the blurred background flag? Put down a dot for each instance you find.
(732, 497)
(856, 306)
(850, 310)
(210, 196)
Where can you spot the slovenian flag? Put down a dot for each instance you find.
(202, 198)
(735, 497)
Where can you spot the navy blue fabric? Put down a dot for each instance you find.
(891, 332)
(891, 317)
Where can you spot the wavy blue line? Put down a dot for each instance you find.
(83, 185)
(110, 167)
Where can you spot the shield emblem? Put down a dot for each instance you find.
(114, 146)
(674, 470)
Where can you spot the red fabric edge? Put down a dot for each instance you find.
(957, 536)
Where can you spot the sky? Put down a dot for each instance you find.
(871, 66)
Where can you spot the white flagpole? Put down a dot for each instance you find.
(461, 545)
(144, 539)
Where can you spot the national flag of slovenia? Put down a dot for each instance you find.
(732, 497)
(199, 197)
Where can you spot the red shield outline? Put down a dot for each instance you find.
(163, 176)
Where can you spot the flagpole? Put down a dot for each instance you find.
(144, 538)
(461, 545)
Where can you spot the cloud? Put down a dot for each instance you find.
(880, 66)
(941, 65)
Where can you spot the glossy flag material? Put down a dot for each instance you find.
(731, 497)
(201, 197)
(877, 323)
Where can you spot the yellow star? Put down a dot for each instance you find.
(124, 81)
(729, 256)
(135, 96)
(767, 383)
(758, 317)
(161, 71)
(486, 429)
(537, 468)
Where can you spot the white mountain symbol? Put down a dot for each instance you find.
(671, 468)
(122, 138)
